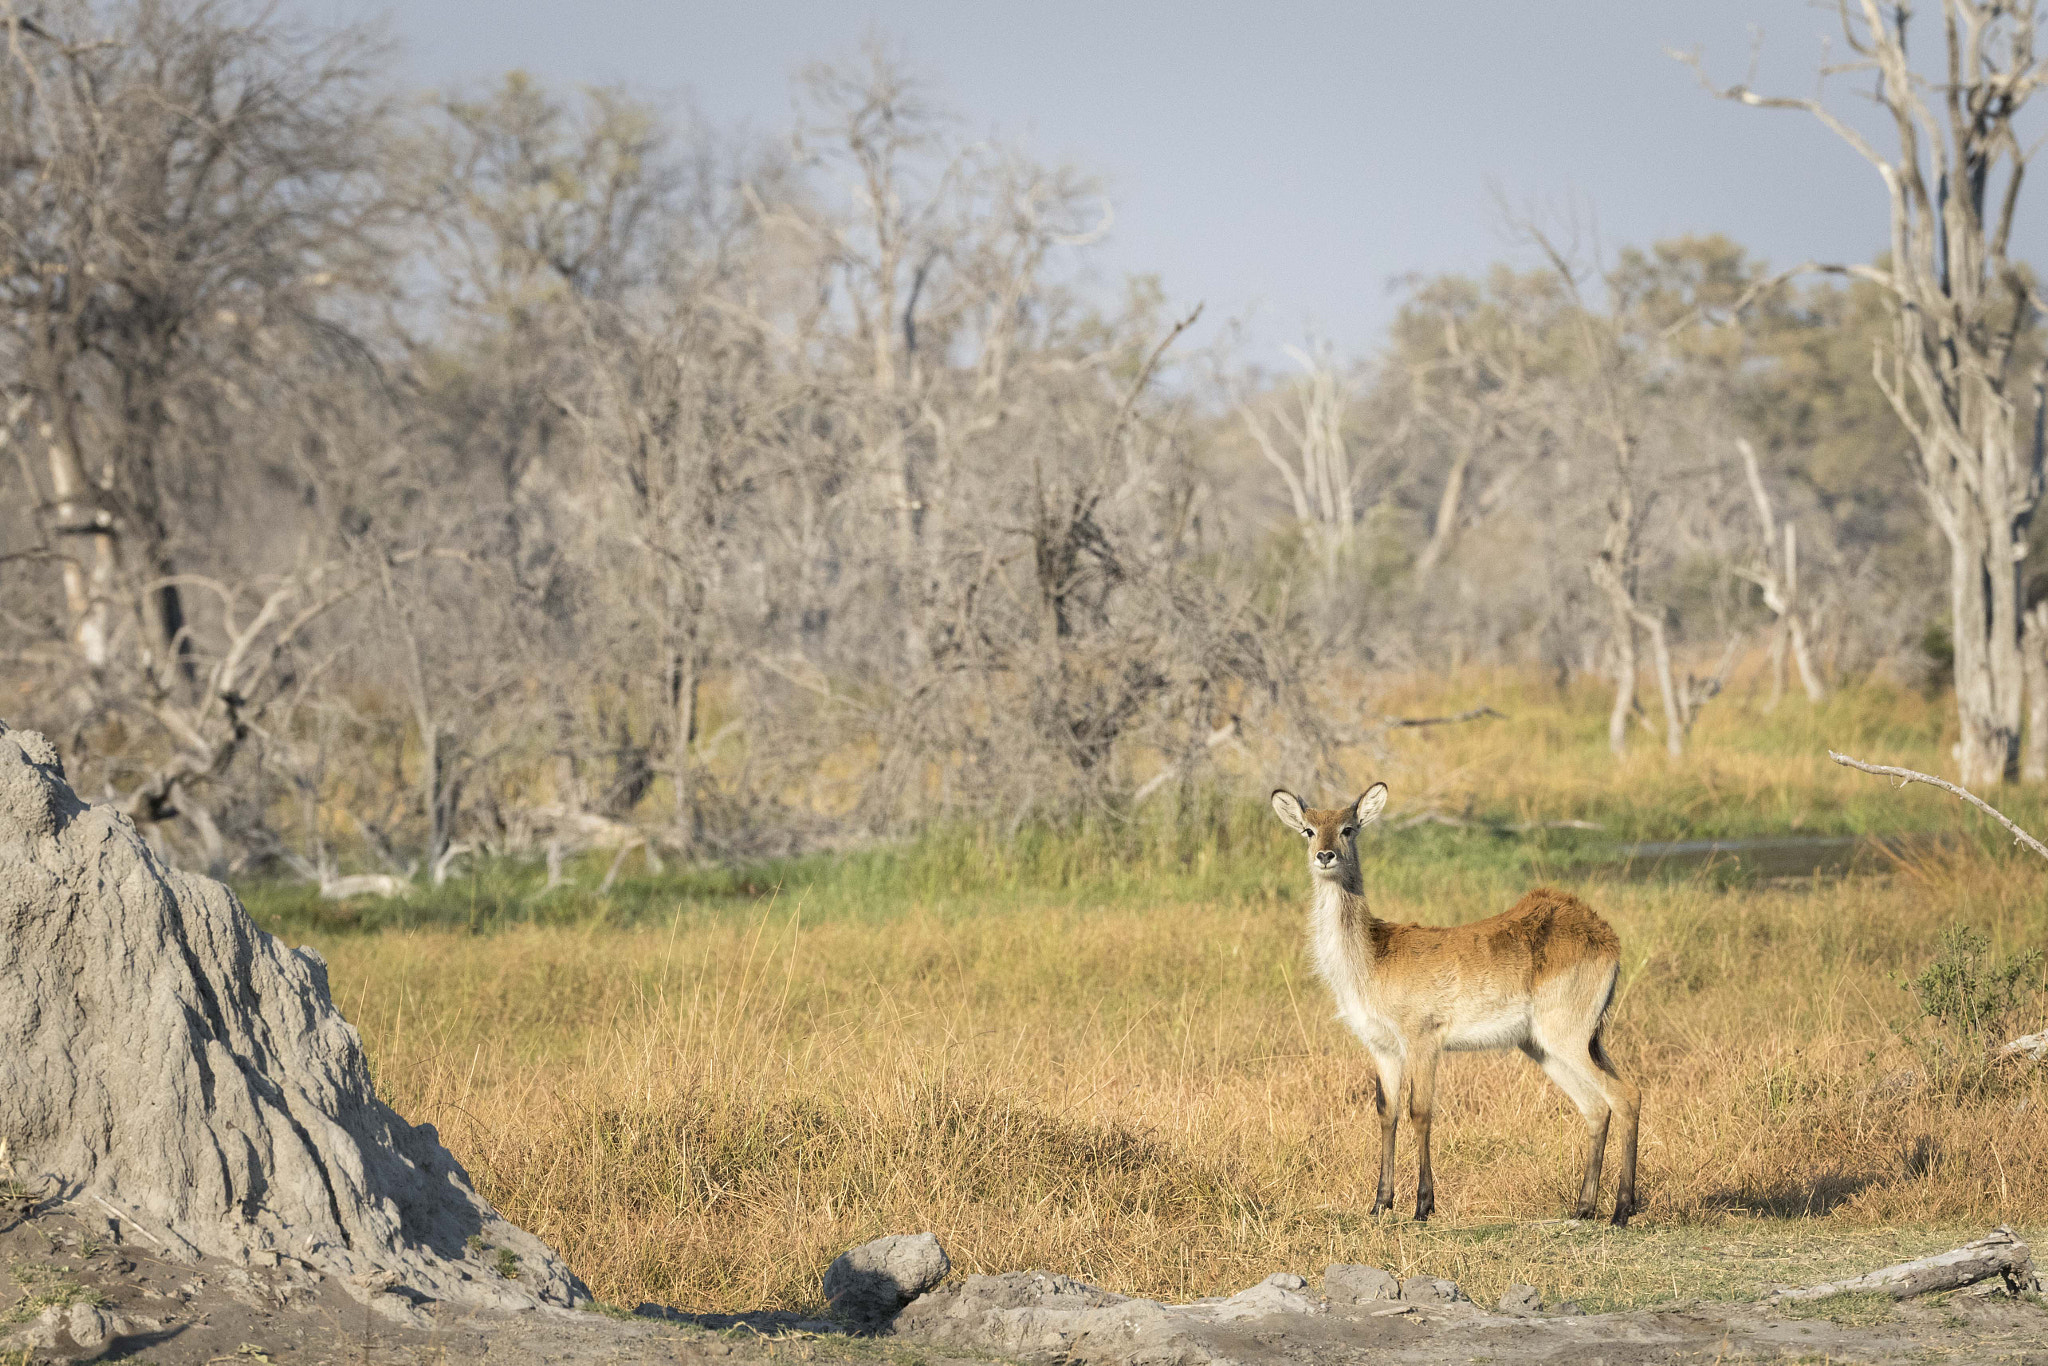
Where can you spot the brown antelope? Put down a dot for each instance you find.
(1538, 977)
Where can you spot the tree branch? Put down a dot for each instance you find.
(1907, 775)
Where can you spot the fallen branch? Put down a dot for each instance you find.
(2003, 1254)
(2033, 1047)
(1404, 722)
(1907, 775)
(363, 884)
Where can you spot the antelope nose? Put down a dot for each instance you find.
(1326, 857)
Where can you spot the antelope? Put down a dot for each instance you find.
(1538, 977)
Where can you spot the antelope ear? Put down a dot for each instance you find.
(1287, 807)
(1372, 803)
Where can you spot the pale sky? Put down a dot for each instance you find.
(1281, 161)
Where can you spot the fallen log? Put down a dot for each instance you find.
(1406, 722)
(363, 884)
(2033, 1047)
(2003, 1254)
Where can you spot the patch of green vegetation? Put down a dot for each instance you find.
(506, 1264)
(1969, 990)
(47, 1286)
(1215, 848)
(1852, 1309)
(1970, 998)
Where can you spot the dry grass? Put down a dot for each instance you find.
(1151, 1092)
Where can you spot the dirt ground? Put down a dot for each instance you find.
(159, 1311)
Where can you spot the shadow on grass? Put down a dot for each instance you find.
(1793, 1198)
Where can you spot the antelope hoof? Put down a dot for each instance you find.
(1424, 1207)
(1622, 1210)
(1383, 1204)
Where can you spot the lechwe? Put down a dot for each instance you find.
(1538, 977)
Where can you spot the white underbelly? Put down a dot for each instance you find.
(1496, 1029)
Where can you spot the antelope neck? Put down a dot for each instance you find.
(1338, 915)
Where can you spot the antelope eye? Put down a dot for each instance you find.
(1348, 831)
(1306, 832)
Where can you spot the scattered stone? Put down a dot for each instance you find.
(1280, 1293)
(869, 1284)
(1571, 1309)
(1030, 1313)
(1521, 1299)
(186, 1074)
(1348, 1283)
(89, 1327)
(95, 1331)
(1430, 1290)
(43, 1332)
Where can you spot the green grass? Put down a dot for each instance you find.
(45, 1287)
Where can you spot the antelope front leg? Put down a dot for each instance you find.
(1421, 1103)
(1386, 1098)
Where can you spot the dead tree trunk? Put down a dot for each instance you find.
(2034, 660)
(1613, 568)
(1776, 574)
(1960, 306)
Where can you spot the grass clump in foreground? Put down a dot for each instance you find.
(45, 1287)
(1853, 1309)
(1130, 1074)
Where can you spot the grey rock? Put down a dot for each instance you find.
(1280, 1293)
(870, 1283)
(1349, 1283)
(1521, 1299)
(1041, 1316)
(1038, 1316)
(1570, 1309)
(1430, 1290)
(43, 1332)
(89, 1327)
(182, 1070)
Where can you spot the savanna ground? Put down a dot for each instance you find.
(1101, 1050)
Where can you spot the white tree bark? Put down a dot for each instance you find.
(1776, 573)
(1315, 462)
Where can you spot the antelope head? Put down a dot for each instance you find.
(1331, 834)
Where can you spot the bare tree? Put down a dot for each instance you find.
(1314, 461)
(1960, 308)
(175, 195)
(1776, 574)
(187, 192)
(1476, 387)
(1613, 413)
